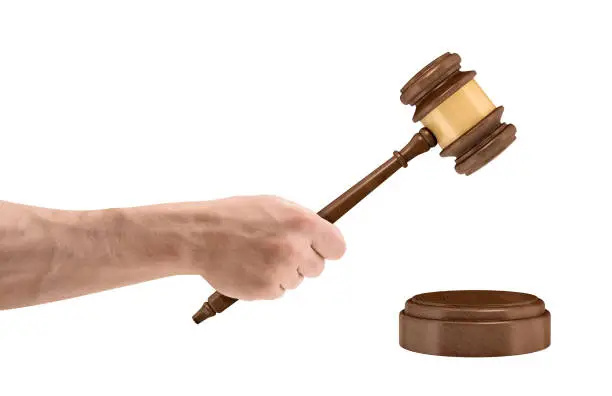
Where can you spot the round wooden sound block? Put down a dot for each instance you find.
(474, 323)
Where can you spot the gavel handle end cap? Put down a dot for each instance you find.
(204, 313)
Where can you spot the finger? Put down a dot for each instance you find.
(312, 265)
(274, 293)
(292, 280)
(327, 240)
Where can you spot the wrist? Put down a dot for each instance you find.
(125, 239)
(156, 236)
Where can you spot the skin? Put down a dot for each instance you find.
(246, 247)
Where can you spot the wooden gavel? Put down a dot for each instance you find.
(455, 113)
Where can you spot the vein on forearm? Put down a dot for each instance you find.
(26, 255)
(49, 255)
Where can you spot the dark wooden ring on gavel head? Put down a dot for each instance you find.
(456, 110)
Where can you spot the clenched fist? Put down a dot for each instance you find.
(253, 248)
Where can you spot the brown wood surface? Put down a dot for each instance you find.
(474, 323)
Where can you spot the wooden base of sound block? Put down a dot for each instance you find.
(474, 323)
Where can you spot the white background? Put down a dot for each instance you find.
(124, 103)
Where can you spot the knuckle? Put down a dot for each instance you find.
(297, 221)
(294, 284)
(268, 276)
(279, 249)
(262, 288)
(317, 270)
(270, 292)
(276, 292)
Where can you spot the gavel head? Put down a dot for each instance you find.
(456, 110)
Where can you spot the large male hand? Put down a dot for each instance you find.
(253, 247)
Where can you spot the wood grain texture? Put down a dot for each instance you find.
(474, 323)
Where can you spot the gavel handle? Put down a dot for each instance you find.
(420, 143)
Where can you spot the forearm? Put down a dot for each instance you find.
(246, 247)
(48, 255)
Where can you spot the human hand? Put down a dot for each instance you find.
(253, 247)
(261, 246)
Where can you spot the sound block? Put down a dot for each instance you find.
(474, 323)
